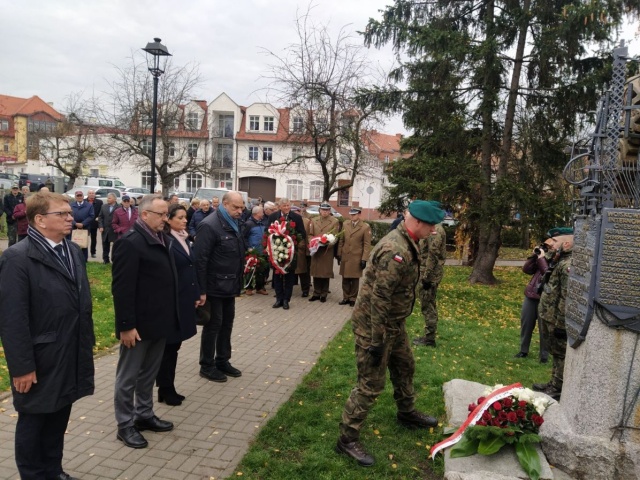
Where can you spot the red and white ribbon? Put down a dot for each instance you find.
(474, 416)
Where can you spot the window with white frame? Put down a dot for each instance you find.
(267, 154)
(298, 124)
(322, 126)
(94, 172)
(222, 180)
(297, 154)
(192, 121)
(294, 190)
(268, 124)
(254, 123)
(345, 157)
(6, 147)
(315, 190)
(172, 149)
(194, 181)
(145, 146)
(192, 149)
(224, 156)
(4, 124)
(254, 152)
(145, 179)
(225, 126)
(176, 183)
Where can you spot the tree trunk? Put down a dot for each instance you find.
(488, 247)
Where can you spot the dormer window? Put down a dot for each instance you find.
(254, 123)
(268, 124)
(298, 124)
(192, 121)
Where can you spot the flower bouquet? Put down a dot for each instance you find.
(322, 241)
(504, 415)
(253, 260)
(280, 244)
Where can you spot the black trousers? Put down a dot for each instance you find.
(283, 285)
(39, 443)
(167, 374)
(215, 341)
(93, 234)
(106, 250)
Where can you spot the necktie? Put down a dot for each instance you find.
(60, 252)
(128, 213)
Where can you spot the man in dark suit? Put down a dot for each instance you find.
(83, 216)
(283, 284)
(145, 303)
(93, 227)
(105, 216)
(47, 334)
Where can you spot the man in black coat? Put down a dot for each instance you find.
(283, 284)
(46, 329)
(144, 291)
(220, 264)
(93, 227)
(106, 229)
(11, 199)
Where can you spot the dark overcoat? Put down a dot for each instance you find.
(144, 285)
(105, 217)
(188, 292)
(46, 325)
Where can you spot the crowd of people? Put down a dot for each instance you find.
(174, 263)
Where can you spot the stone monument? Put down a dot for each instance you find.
(595, 432)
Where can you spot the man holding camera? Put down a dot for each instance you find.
(536, 265)
(552, 309)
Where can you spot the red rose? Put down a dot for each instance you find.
(497, 406)
(481, 423)
(522, 404)
(502, 416)
(521, 413)
(480, 400)
(512, 417)
(507, 402)
(292, 224)
(495, 422)
(486, 416)
(537, 419)
(472, 407)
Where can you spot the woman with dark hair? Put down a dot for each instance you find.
(188, 300)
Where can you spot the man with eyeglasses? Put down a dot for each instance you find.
(124, 217)
(47, 334)
(83, 215)
(145, 304)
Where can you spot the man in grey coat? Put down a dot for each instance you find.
(46, 329)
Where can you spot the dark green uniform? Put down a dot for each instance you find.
(433, 253)
(385, 300)
(551, 311)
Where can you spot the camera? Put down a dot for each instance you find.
(541, 248)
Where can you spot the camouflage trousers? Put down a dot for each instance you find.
(398, 358)
(429, 311)
(558, 349)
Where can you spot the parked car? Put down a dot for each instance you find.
(450, 221)
(315, 210)
(110, 182)
(101, 193)
(135, 192)
(10, 176)
(183, 196)
(33, 180)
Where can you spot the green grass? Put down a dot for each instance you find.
(478, 334)
(100, 280)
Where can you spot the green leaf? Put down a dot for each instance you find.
(464, 448)
(529, 459)
(490, 446)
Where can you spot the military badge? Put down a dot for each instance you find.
(398, 258)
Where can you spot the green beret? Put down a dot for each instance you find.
(558, 231)
(435, 203)
(426, 211)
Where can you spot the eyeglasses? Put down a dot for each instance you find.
(63, 214)
(162, 214)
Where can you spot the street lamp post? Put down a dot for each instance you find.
(155, 50)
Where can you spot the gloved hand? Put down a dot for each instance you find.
(338, 259)
(376, 355)
(363, 264)
(426, 284)
(560, 333)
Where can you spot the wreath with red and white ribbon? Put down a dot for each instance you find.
(280, 246)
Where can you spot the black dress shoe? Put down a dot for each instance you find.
(314, 298)
(278, 304)
(169, 396)
(520, 355)
(305, 294)
(352, 303)
(344, 302)
(131, 437)
(544, 360)
(227, 369)
(323, 299)
(285, 305)
(214, 375)
(154, 424)
(64, 476)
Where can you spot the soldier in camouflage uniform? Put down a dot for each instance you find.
(385, 300)
(433, 253)
(552, 311)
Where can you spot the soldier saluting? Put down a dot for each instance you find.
(385, 301)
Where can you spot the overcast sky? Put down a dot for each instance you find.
(54, 48)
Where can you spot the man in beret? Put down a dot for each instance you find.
(433, 253)
(552, 309)
(385, 301)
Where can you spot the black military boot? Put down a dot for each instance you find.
(553, 391)
(416, 419)
(424, 342)
(540, 387)
(354, 450)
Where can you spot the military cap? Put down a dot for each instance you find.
(558, 231)
(426, 212)
(355, 210)
(303, 204)
(435, 203)
(325, 206)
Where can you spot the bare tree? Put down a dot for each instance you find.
(318, 78)
(182, 143)
(73, 142)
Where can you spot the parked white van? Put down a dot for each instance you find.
(110, 182)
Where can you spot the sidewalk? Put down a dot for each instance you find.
(274, 348)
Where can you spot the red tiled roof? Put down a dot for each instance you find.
(11, 106)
